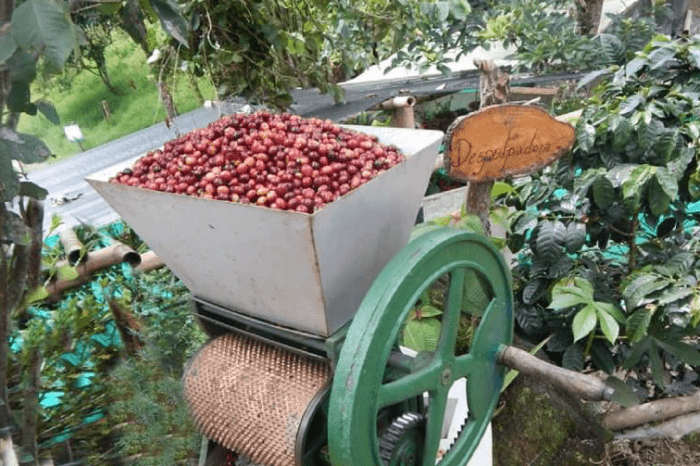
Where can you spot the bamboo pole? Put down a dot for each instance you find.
(72, 245)
(149, 261)
(113, 254)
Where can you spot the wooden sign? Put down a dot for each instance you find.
(506, 140)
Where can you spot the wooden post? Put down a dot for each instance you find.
(105, 110)
(494, 89)
(403, 111)
(500, 140)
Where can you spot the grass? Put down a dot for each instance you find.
(137, 105)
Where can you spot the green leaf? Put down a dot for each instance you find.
(602, 356)
(523, 222)
(611, 309)
(657, 367)
(649, 133)
(637, 292)
(666, 144)
(569, 292)
(534, 290)
(499, 188)
(37, 294)
(132, 21)
(443, 11)
(694, 56)
(7, 45)
(681, 263)
(659, 200)
(608, 325)
(694, 186)
(171, 19)
(44, 25)
(23, 147)
(48, 110)
(634, 65)
(612, 47)
(603, 192)
(27, 188)
(575, 237)
(66, 272)
(673, 294)
(471, 223)
(686, 353)
(635, 184)
(9, 180)
(630, 104)
(109, 7)
(660, 57)
(22, 67)
(624, 394)
(476, 297)
(622, 134)
(637, 351)
(585, 135)
(19, 99)
(426, 311)
(667, 182)
(459, 9)
(573, 358)
(422, 335)
(584, 322)
(550, 241)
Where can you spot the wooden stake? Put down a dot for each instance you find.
(494, 89)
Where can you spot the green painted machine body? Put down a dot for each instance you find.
(371, 376)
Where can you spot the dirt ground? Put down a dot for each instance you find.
(662, 452)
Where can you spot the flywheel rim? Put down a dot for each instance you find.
(358, 392)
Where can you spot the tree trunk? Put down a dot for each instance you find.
(30, 449)
(168, 104)
(5, 415)
(587, 14)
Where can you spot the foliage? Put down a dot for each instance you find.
(544, 35)
(93, 396)
(77, 97)
(263, 49)
(608, 237)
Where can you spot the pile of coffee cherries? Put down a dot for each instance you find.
(281, 161)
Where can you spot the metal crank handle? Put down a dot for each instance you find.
(584, 386)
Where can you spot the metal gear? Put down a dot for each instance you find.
(402, 442)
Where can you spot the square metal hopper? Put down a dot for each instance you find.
(307, 272)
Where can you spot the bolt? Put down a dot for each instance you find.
(446, 376)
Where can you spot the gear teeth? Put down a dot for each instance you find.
(459, 432)
(394, 434)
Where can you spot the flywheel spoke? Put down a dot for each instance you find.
(491, 331)
(464, 366)
(451, 315)
(409, 386)
(433, 431)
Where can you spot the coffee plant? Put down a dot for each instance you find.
(608, 238)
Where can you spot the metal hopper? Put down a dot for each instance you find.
(305, 272)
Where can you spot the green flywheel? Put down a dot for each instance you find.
(474, 283)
